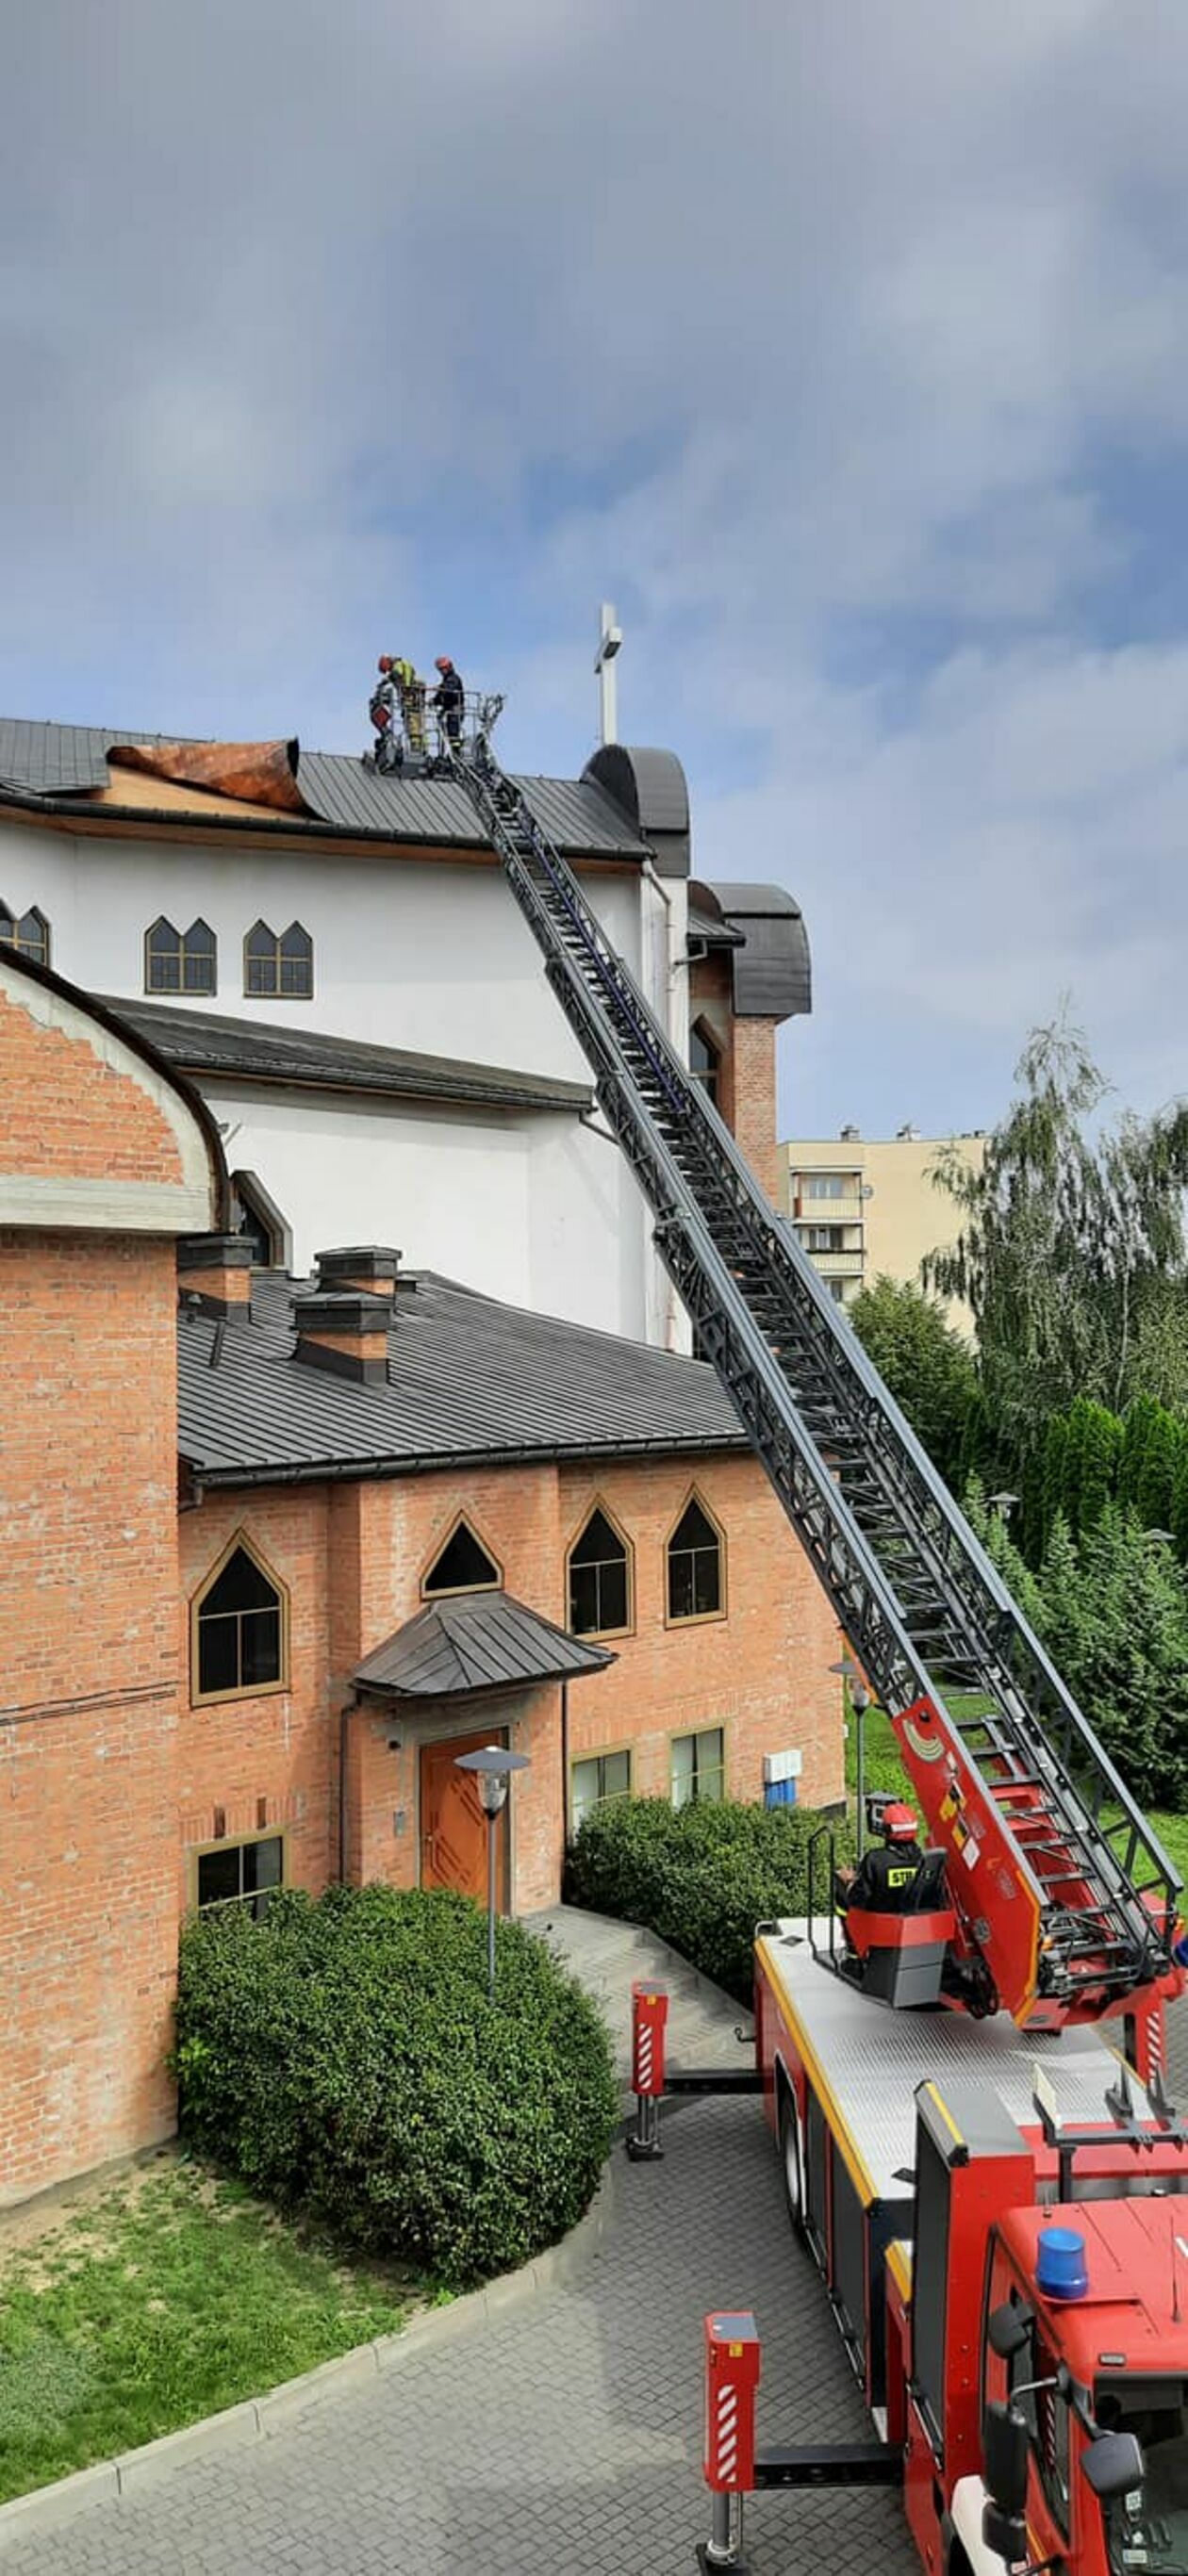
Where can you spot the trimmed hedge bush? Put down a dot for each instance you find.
(700, 1876)
(343, 2054)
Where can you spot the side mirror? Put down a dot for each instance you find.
(1004, 2452)
(1005, 2534)
(1114, 2465)
(1008, 2329)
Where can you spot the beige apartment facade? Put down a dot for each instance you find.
(865, 1207)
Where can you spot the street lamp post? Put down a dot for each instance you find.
(859, 1702)
(492, 1766)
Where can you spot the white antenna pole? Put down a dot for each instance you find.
(609, 640)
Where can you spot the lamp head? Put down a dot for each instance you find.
(493, 1766)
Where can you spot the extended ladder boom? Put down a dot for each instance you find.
(1066, 1899)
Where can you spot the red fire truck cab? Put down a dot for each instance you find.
(1005, 2245)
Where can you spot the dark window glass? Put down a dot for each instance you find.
(218, 1875)
(29, 936)
(181, 961)
(261, 960)
(463, 1566)
(704, 1061)
(239, 1629)
(163, 958)
(279, 966)
(296, 962)
(599, 1589)
(241, 1873)
(694, 1566)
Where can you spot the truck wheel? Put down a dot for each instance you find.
(790, 2158)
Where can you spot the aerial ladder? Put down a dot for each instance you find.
(1065, 1902)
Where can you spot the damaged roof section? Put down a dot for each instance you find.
(322, 791)
(258, 773)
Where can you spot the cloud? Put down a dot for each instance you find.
(841, 347)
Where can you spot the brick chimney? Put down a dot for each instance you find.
(344, 1330)
(214, 1273)
(372, 1267)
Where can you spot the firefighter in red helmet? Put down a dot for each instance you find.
(448, 700)
(885, 1879)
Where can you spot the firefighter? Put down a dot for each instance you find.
(448, 700)
(412, 701)
(885, 1879)
(385, 713)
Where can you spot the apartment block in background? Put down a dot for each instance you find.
(868, 1207)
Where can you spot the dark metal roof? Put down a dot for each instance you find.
(772, 970)
(211, 1042)
(478, 1641)
(581, 817)
(468, 1379)
(706, 923)
(650, 787)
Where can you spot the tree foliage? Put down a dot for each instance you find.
(927, 1366)
(1115, 1621)
(1071, 1252)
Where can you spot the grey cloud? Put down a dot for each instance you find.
(782, 324)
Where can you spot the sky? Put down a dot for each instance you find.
(840, 343)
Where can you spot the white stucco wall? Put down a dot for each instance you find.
(433, 957)
(528, 1207)
(429, 956)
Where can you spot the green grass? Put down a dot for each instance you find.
(167, 2297)
(885, 1771)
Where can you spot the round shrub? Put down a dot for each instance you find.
(700, 1876)
(343, 2054)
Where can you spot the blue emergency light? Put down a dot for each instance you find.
(1061, 2271)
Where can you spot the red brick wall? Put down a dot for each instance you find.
(88, 1681)
(68, 1113)
(755, 1099)
(747, 1076)
(761, 1673)
(353, 1558)
(269, 1760)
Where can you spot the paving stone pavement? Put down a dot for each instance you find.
(563, 2436)
(607, 1956)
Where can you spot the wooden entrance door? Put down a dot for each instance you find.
(453, 1826)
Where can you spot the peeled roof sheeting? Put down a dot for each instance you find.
(468, 1378)
(64, 760)
(481, 1641)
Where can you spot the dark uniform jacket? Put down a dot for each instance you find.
(885, 1878)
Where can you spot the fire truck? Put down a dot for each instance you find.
(995, 2220)
(999, 2229)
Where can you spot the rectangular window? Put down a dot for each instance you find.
(825, 1185)
(698, 1766)
(241, 1874)
(601, 1776)
(825, 1238)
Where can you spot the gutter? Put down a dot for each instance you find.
(66, 809)
(216, 1479)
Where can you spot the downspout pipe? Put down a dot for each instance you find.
(344, 1728)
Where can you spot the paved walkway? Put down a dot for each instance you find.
(702, 2021)
(565, 2433)
(563, 2436)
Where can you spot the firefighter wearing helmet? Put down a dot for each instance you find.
(885, 1878)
